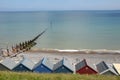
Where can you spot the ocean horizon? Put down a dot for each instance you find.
(96, 29)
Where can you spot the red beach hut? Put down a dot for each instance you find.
(83, 68)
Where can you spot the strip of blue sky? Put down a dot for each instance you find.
(23, 5)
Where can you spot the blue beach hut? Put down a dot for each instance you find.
(25, 65)
(43, 66)
(64, 66)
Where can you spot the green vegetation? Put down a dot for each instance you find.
(4, 75)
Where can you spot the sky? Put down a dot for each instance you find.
(37, 5)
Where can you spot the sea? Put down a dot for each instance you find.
(73, 30)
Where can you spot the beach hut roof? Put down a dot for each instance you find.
(84, 63)
(102, 68)
(28, 63)
(80, 64)
(117, 67)
(10, 64)
(46, 62)
(58, 64)
(64, 62)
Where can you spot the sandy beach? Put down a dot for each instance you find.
(92, 57)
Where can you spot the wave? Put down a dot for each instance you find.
(84, 51)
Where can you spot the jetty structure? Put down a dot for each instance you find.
(21, 47)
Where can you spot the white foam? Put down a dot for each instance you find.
(84, 50)
(68, 50)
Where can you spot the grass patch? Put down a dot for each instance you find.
(4, 75)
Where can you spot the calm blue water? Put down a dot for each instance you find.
(67, 29)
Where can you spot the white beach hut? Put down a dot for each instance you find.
(117, 67)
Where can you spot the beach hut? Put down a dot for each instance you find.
(117, 67)
(64, 66)
(105, 69)
(43, 66)
(7, 64)
(84, 68)
(24, 65)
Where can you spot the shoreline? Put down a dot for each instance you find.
(74, 51)
(73, 57)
